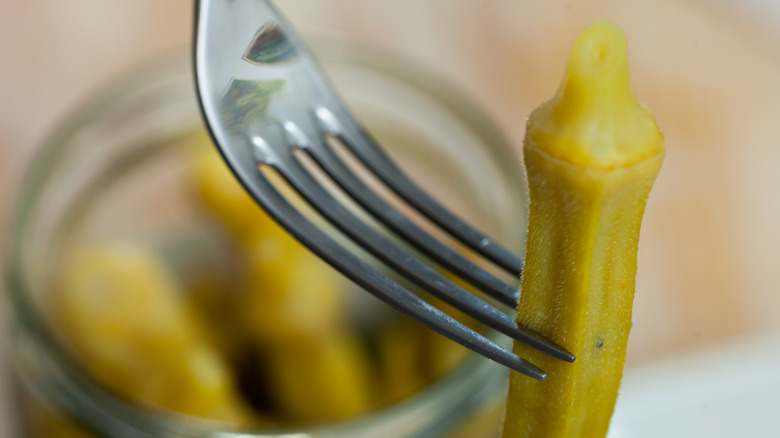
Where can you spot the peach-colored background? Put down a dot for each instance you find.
(709, 254)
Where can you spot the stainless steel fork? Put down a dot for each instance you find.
(263, 97)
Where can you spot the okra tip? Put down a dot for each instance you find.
(599, 59)
(595, 120)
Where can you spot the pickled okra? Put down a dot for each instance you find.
(401, 352)
(291, 309)
(222, 196)
(325, 378)
(265, 338)
(592, 153)
(124, 316)
(289, 295)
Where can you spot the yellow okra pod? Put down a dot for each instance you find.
(592, 153)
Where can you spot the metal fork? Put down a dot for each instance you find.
(264, 97)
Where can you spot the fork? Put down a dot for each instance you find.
(265, 99)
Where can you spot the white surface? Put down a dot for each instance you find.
(729, 392)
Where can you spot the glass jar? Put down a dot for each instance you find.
(114, 169)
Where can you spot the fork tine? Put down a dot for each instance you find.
(378, 284)
(219, 26)
(399, 223)
(388, 252)
(360, 143)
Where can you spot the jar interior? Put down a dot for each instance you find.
(119, 171)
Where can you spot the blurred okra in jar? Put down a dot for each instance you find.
(151, 297)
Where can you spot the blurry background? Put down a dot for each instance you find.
(709, 263)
